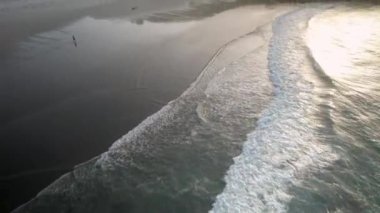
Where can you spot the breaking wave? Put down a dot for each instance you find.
(316, 147)
(292, 134)
(175, 160)
(285, 146)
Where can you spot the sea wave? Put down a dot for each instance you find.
(285, 147)
(178, 156)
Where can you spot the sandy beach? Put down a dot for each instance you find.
(111, 106)
(65, 104)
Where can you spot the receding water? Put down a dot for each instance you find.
(63, 104)
(316, 149)
(283, 118)
(345, 45)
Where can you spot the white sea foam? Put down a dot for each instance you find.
(284, 148)
(141, 139)
(135, 141)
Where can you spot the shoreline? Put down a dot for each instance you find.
(199, 31)
(125, 152)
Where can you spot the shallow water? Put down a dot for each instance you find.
(348, 54)
(316, 147)
(283, 119)
(64, 104)
(176, 159)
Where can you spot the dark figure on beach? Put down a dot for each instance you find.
(134, 8)
(74, 41)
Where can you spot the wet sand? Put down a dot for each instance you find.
(62, 105)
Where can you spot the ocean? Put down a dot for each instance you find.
(283, 118)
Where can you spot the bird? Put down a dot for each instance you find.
(74, 41)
